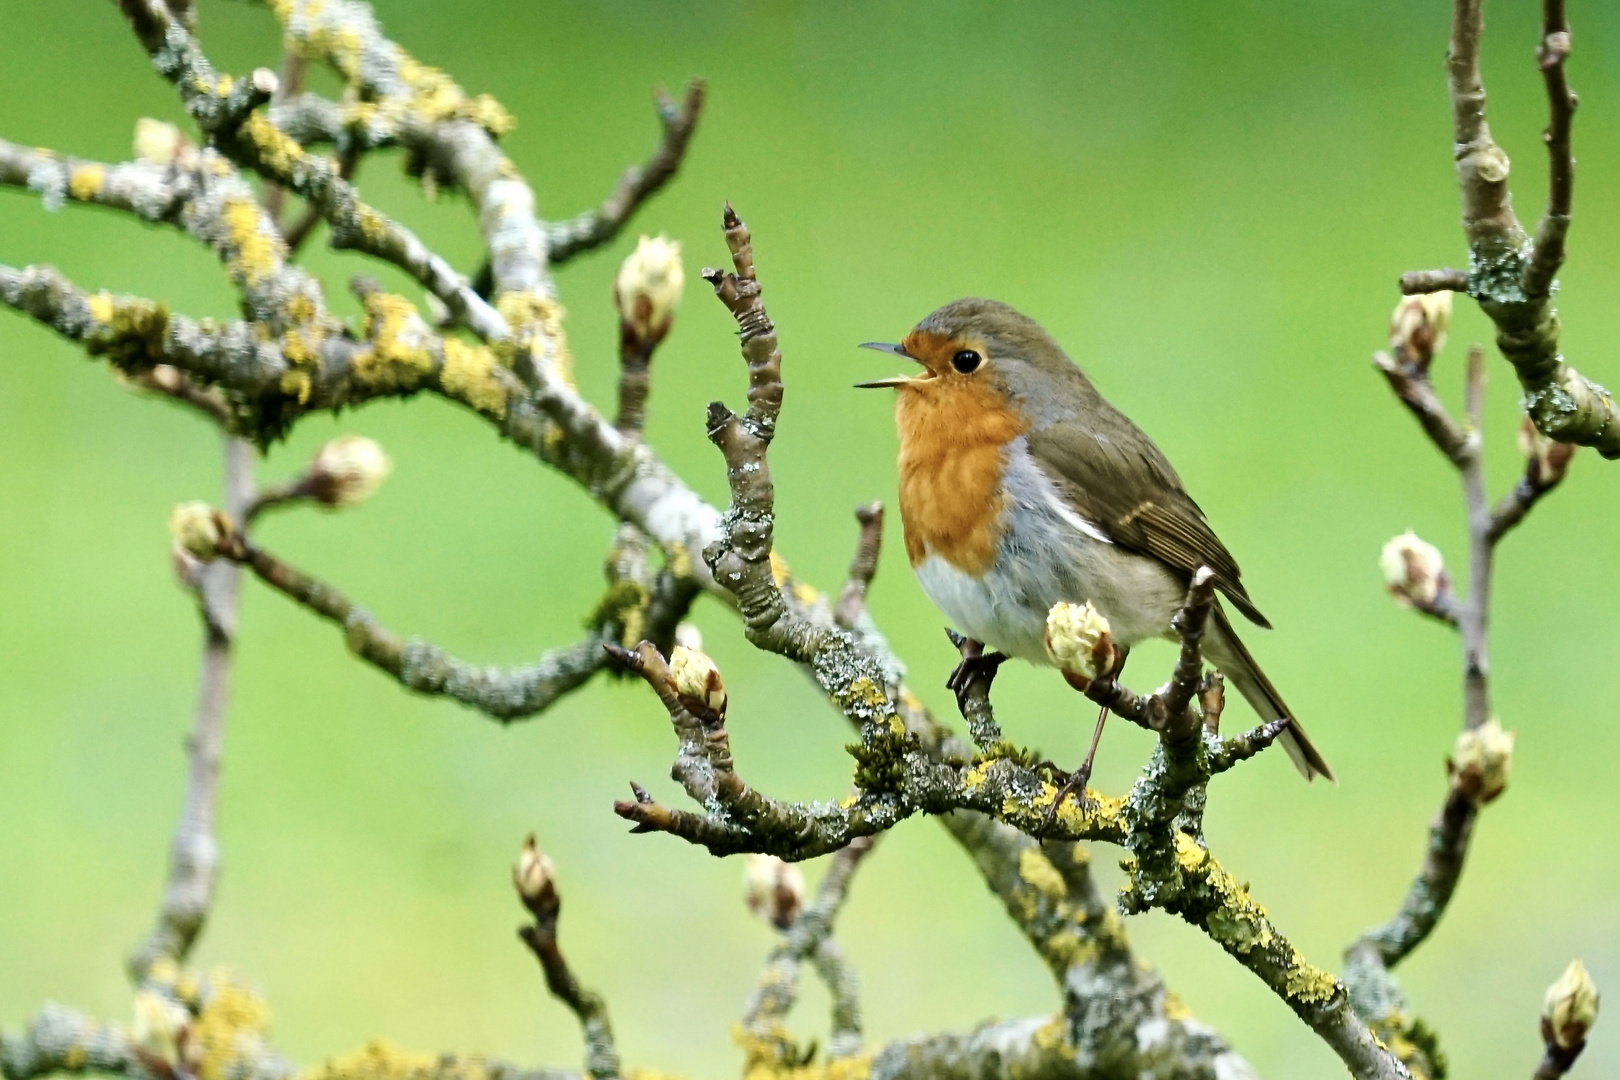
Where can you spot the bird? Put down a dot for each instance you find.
(1021, 486)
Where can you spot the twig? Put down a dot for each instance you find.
(194, 852)
(766, 1044)
(862, 568)
(544, 902)
(565, 239)
(1548, 254)
(504, 694)
(1430, 281)
(291, 79)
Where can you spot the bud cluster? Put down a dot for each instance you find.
(1078, 640)
(773, 889)
(1417, 329)
(1481, 761)
(647, 290)
(1414, 571)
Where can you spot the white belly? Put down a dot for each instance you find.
(1047, 555)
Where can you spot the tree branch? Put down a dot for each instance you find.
(593, 228)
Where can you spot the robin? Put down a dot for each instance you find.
(1020, 487)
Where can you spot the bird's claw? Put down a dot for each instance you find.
(975, 665)
(1074, 784)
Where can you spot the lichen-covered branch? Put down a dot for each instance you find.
(1509, 273)
(593, 228)
(188, 893)
(652, 606)
(225, 110)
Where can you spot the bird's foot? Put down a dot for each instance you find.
(1074, 784)
(976, 668)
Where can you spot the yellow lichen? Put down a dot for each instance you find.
(1053, 1037)
(780, 571)
(228, 1028)
(373, 226)
(1067, 948)
(279, 153)
(805, 593)
(973, 779)
(75, 1058)
(1038, 872)
(398, 358)
(84, 182)
(469, 375)
(252, 254)
(537, 325)
(1306, 982)
(678, 559)
(863, 691)
(296, 384)
(101, 307)
(376, 1060)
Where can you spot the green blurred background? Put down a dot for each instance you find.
(1208, 203)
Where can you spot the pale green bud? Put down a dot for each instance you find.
(773, 889)
(348, 470)
(1078, 640)
(696, 677)
(1413, 569)
(198, 529)
(1482, 760)
(648, 287)
(1570, 1007)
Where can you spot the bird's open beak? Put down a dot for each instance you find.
(893, 380)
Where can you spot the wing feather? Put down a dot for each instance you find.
(1111, 474)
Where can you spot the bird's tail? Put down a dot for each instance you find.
(1227, 652)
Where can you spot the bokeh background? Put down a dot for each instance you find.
(1207, 202)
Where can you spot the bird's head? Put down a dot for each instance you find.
(982, 354)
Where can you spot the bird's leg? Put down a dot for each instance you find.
(1077, 781)
(976, 665)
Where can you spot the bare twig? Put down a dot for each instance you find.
(863, 567)
(538, 892)
(504, 694)
(1429, 281)
(194, 852)
(639, 183)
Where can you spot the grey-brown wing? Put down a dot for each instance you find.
(1114, 477)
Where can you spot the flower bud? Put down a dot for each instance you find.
(1413, 570)
(1419, 324)
(1546, 461)
(348, 470)
(1481, 761)
(534, 875)
(1078, 640)
(159, 1021)
(773, 889)
(158, 142)
(648, 289)
(198, 529)
(1570, 1007)
(697, 679)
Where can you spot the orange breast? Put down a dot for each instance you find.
(951, 437)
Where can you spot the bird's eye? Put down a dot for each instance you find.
(966, 361)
